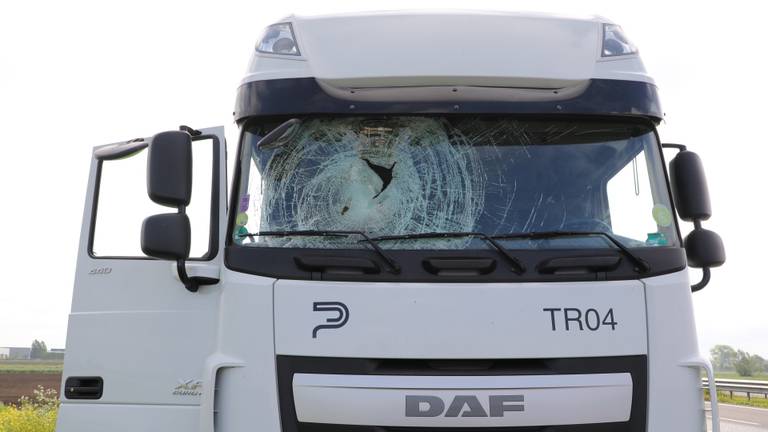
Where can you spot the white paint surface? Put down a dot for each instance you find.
(496, 49)
(458, 320)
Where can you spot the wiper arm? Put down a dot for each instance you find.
(392, 264)
(279, 135)
(519, 267)
(641, 266)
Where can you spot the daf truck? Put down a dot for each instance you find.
(456, 221)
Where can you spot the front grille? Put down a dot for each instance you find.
(287, 366)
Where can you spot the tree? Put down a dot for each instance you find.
(760, 363)
(39, 350)
(747, 365)
(723, 357)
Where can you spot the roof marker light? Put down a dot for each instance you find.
(615, 42)
(279, 39)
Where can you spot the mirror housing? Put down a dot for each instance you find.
(704, 249)
(689, 187)
(166, 236)
(169, 169)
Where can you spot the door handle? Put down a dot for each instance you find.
(83, 387)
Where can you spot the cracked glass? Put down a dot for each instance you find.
(401, 175)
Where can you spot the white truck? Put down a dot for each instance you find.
(437, 221)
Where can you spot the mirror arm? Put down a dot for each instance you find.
(181, 266)
(704, 280)
(705, 270)
(189, 283)
(191, 131)
(679, 147)
(705, 273)
(192, 284)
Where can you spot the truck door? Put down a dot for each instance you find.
(137, 340)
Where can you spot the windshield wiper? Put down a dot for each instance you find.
(394, 267)
(641, 266)
(279, 135)
(519, 268)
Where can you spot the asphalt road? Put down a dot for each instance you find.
(734, 418)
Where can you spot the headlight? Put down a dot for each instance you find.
(615, 42)
(279, 39)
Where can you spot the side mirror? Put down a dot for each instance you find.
(689, 187)
(703, 248)
(169, 169)
(169, 182)
(166, 236)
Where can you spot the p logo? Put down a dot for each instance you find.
(334, 322)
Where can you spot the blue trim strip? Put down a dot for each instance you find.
(300, 96)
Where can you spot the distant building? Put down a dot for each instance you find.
(15, 353)
(56, 354)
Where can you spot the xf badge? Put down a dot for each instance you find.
(191, 387)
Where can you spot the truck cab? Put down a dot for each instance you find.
(437, 221)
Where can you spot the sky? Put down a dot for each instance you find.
(77, 74)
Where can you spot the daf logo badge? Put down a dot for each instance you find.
(462, 405)
(338, 321)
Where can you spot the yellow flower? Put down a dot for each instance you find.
(35, 414)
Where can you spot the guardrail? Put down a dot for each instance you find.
(740, 386)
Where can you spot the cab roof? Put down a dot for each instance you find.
(417, 48)
(446, 61)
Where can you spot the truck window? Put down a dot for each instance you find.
(122, 204)
(422, 174)
(631, 202)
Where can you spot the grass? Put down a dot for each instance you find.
(30, 366)
(35, 414)
(762, 376)
(756, 401)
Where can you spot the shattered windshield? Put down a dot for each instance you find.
(401, 175)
